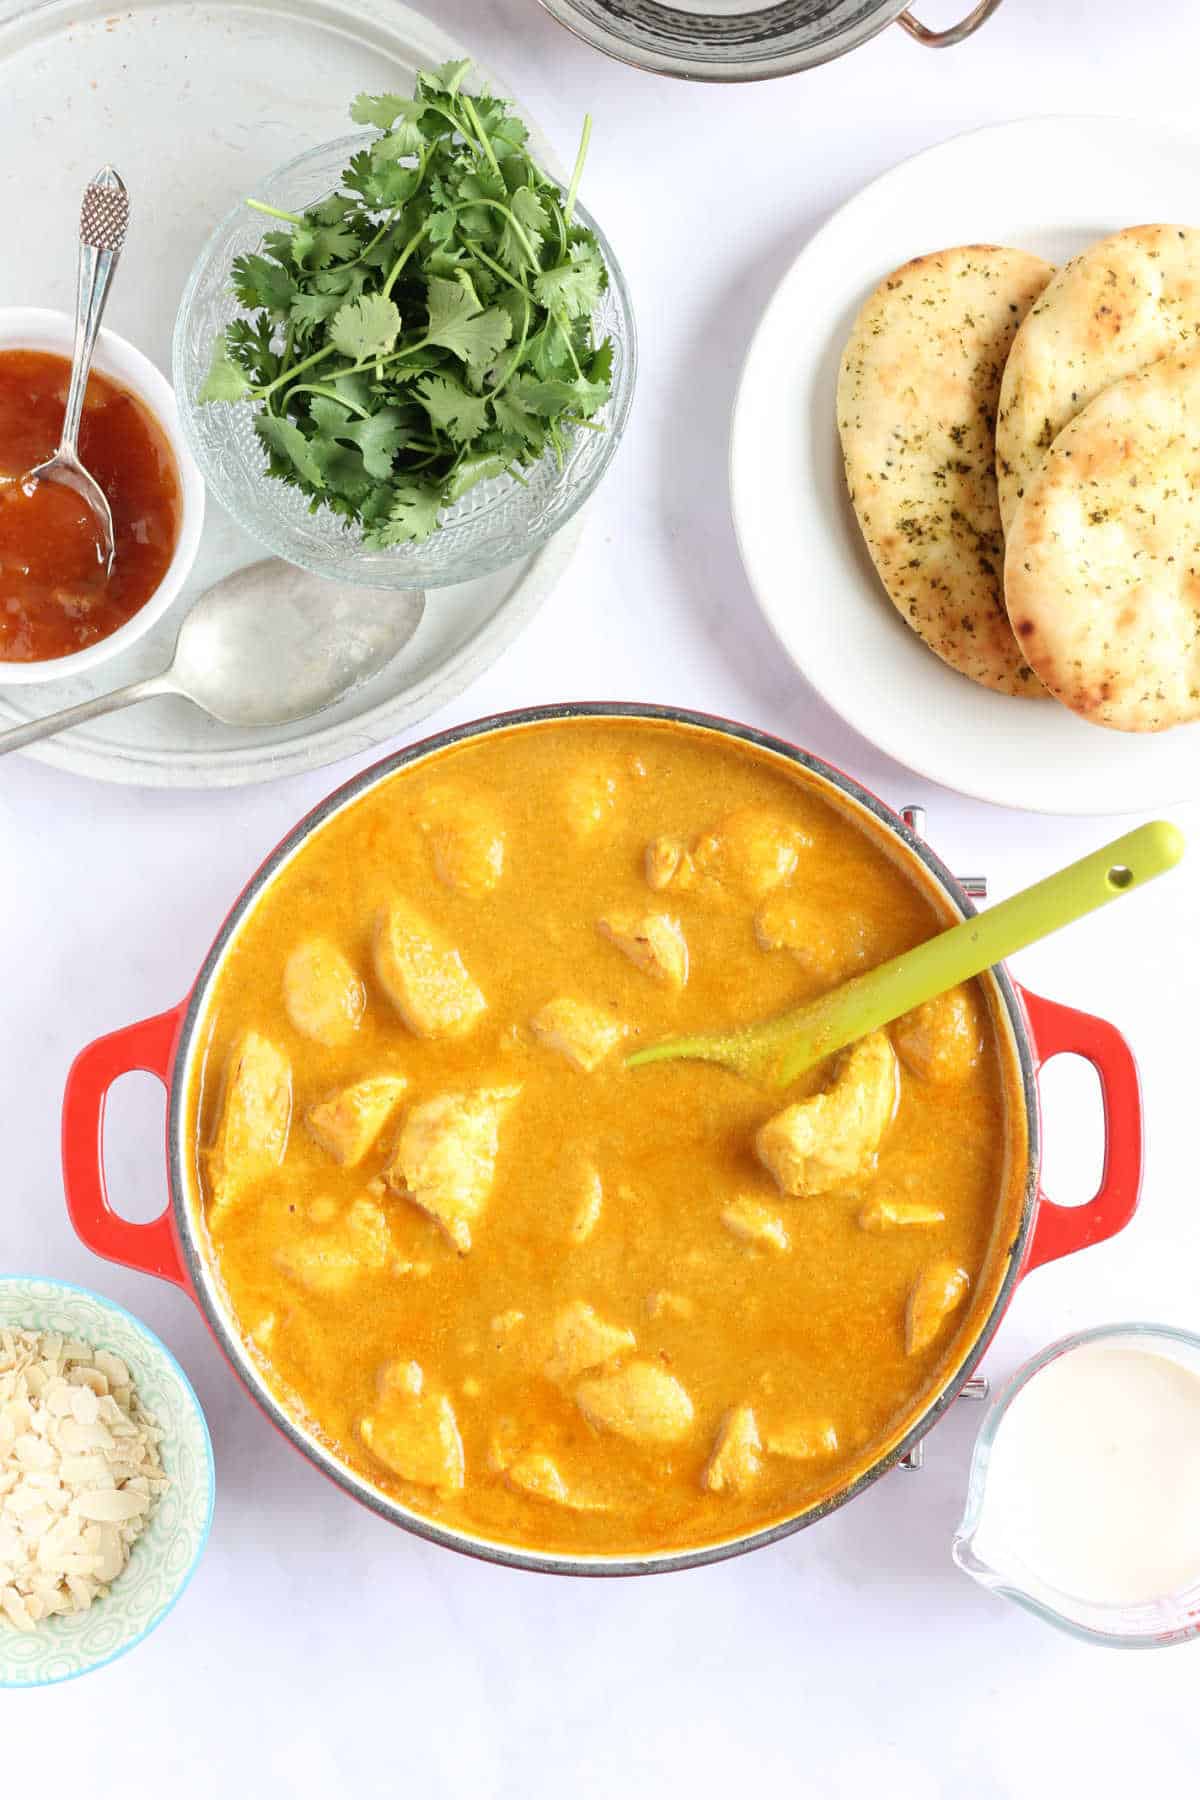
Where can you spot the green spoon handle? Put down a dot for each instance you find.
(979, 943)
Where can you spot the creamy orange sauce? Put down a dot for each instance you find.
(809, 1338)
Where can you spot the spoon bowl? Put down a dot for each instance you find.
(268, 645)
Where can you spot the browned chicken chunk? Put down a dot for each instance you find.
(653, 942)
(941, 1040)
(639, 1401)
(756, 1224)
(348, 1123)
(445, 1157)
(736, 1458)
(582, 1340)
(466, 839)
(818, 1144)
(423, 976)
(256, 1114)
(802, 1440)
(750, 852)
(887, 1214)
(937, 1292)
(415, 1435)
(322, 993)
(583, 1034)
(830, 945)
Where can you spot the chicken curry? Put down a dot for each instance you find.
(534, 1295)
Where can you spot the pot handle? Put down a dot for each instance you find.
(953, 34)
(149, 1045)
(1060, 1230)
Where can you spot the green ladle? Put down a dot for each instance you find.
(778, 1050)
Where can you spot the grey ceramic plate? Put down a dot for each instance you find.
(205, 124)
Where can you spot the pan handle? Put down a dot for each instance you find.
(1060, 1230)
(149, 1045)
(953, 34)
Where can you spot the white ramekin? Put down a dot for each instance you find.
(39, 328)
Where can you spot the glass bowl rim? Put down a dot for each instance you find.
(618, 407)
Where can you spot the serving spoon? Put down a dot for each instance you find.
(268, 645)
(103, 222)
(776, 1051)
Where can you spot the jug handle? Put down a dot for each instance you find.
(953, 34)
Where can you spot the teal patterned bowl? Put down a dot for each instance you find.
(165, 1557)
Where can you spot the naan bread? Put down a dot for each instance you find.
(1103, 566)
(916, 406)
(1123, 303)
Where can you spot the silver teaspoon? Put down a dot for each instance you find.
(103, 222)
(268, 645)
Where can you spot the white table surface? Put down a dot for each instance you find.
(319, 1651)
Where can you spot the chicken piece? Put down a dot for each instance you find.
(755, 1223)
(331, 1260)
(669, 862)
(324, 1265)
(750, 852)
(591, 799)
(445, 1157)
(653, 942)
(830, 946)
(466, 840)
(586, 1216)
(940, 1040)
(803, 1440)
(736, 1455)
(640, 1402)
(894, 1215)
(665, 1305)
(939, 1289)
(583, 1034)
(537, 1474)
(368, 1233)
(256, 1115)
(818, 1144)
(322, 1209)
(583, 1340)
(423, 976)
(415, 1434)
(508, 1321)
(347, 1124)
(323, 995)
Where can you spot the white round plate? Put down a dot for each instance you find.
(192, 103)
(1045, 185)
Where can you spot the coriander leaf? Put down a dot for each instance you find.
(470, 471)
(262, 284)
(316, 246)
(441, 227)
(460, 415)
(404, 139)
(456, 323)
(382, 110)
(379, 437)
(225, 379)
(600, 367)
(345, 475)
(550, 399)
(447, 78)
(572, 287)
(288, 443)
(250, 346)
(368, 326)
(531, 215)
(412, 516)
(505, 130)
(516, 420)
(315, 309)
(548, 354)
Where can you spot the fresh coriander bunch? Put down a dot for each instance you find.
(426, 327)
